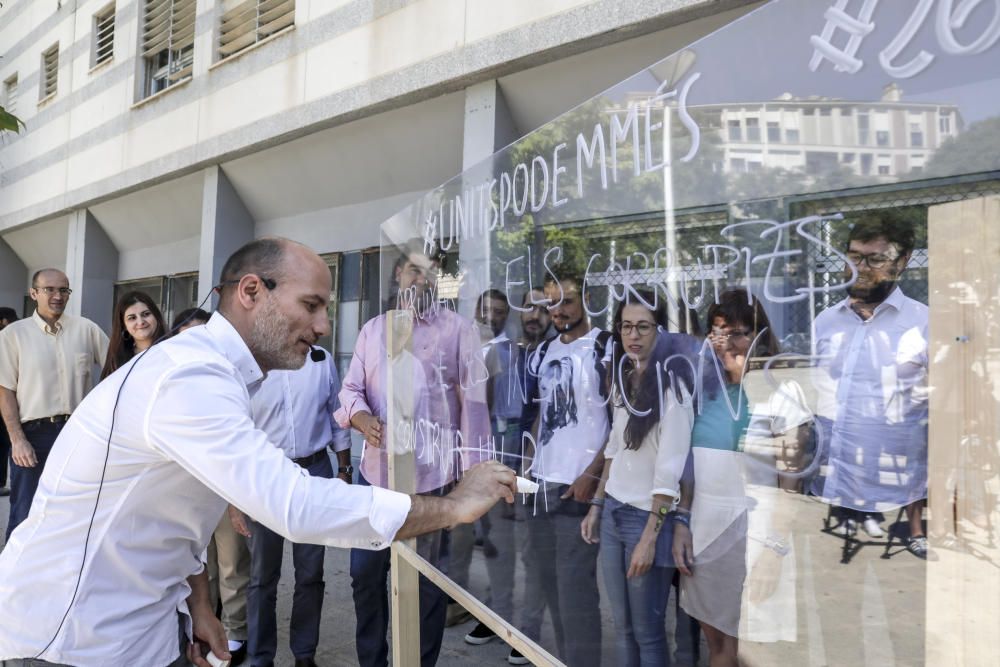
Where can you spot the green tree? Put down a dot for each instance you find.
(975, 150)
(9, 122)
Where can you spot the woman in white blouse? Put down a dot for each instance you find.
(645, 456)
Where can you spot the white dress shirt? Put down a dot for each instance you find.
(183, 445)
(873, 407)
(295, 409)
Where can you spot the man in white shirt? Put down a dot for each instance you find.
(572, 429)
(874, 415)
(295, 409)
(139, 478)
(46, 368)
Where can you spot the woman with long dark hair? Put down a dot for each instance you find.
(710, 524)
(137, 325)
(645, 455)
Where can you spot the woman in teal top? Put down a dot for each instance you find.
(711, 520)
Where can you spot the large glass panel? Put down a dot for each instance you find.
(752, 366)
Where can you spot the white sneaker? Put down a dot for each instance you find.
(846, 527)
(872, 528)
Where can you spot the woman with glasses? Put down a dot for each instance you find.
(645, 454)
(710, 523)
(137, 325)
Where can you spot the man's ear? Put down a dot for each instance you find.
(247, 290)
(905, 261)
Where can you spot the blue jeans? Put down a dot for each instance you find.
(24, 481)
(266, 549)
(369, 574)
(639, 604)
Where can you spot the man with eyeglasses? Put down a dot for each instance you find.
(874, 346)
(46, 368)
(446, 408)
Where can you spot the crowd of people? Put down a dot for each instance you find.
(661, 453)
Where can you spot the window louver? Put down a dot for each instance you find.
(251, 21)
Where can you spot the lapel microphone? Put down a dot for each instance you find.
(317, 354)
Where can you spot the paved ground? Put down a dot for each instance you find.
(867, 612)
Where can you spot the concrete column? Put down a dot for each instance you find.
(488, 124)
(488, 127)
(92, 268)
(13, 278)
(207, 16)
(226, 224)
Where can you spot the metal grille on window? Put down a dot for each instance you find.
(50, 72)
(248, 22)
(168, 42)
(104, 36)
(10, 94)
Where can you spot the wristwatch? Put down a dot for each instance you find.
(349, 470)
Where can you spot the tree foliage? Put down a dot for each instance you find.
(9, 122)
(975, 150)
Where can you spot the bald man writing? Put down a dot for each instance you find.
(111, 550)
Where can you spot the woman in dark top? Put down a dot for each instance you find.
(137, 325)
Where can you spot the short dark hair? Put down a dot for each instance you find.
(533, 288)
(262, 257)
(416, 246)
(887, 224)
(738, 306)
(189, 315)
(493, 293)
(8, 314)
(568, 277)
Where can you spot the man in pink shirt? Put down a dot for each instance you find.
(449, 430)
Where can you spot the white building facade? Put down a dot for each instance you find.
(162, 134)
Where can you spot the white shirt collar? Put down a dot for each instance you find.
(895, 300)
(235, 349)
(44, 326)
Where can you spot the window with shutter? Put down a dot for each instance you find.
(10, 95)
(246, 22)
(104, 36)
(167, 43)
(49, 77)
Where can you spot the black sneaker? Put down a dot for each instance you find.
(515, 658)
(918, 547)
(481, 634)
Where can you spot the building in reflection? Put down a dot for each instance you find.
(884, 139)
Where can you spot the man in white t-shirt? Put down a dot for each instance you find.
(570, 434)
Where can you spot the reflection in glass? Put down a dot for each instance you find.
(814, 214)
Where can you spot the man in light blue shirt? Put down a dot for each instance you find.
(295, 409)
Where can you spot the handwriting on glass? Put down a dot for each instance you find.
(547, 181)
(948, 19)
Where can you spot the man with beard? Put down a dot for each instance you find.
(141, 474)
(874, 416)
(46, 368)
(572, 428)
(438, 371)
